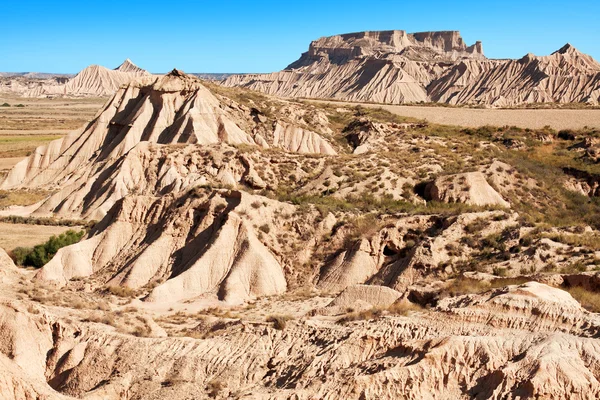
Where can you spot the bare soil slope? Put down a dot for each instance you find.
(395, 67)
(245, 246)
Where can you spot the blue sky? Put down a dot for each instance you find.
(263, 36)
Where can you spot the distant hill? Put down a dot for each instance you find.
(92, 81)
(397, 67)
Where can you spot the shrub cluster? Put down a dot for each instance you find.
(39, 255)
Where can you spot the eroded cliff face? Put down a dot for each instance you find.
(396, 67)
(339, 49)
(521, 341)
(259, 248)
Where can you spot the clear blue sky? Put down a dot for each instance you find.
(263, 36)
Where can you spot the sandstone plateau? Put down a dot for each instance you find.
(246, 246)
(396, 67)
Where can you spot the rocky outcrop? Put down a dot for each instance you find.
(508, 342)
(396, 67)
(129, 67)
(202, 247)
(582, 182)
(566, 76)
(340, 49)
(99, 81)
(299, 140)
(469, 188)
(364, 297)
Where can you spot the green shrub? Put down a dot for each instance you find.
(40, 255)
(20, 253)
(5, 105)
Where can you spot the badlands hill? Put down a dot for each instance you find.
(396, 67)
(93, 81)
(244, 246)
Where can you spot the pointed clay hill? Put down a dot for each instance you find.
(97, 166)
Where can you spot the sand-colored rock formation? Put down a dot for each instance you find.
(469, 188)
(8, 270)
(203, 247)
(300, 140)
(515, 341)
(565, 76)
(364, 297)
(96, 80)
(130, 67)
(92, 81)
(120, 150)
(396, 67)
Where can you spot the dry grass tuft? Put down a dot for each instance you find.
(589, 300)
(279, 321)
(214, 387)
(122, 291)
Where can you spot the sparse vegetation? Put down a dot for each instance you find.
(265, 228)
(20, 198)
(122, 291)
(399, 308)
(463, 285)
(589, 300)
(214, 387)
(39, 255)
(13, 219)
(279, 321)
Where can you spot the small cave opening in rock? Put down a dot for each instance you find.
(421, 190)
(389, 251)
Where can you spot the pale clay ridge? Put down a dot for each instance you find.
(234, 265)
(166, 110)
(117, 166)
(395, 67)
(412, 357)
(159, 227)
(92, 81)
(102, 171)
(469, 188)
(129, 66)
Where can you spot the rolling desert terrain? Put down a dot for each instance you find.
(169, 237)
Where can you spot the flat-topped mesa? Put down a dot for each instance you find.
(422, 46)
(447, 41)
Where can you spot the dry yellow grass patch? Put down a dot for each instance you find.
(23, 235)
(523, 118)
(589, 300)
(12, 146)
(21, 197)
(39, 121)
